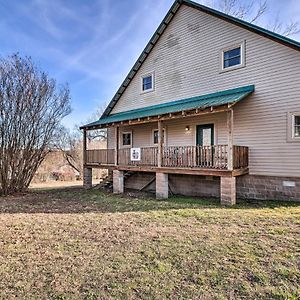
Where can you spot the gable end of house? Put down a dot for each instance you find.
(166, 21)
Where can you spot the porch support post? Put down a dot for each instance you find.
(160, 143)
(116, 145)
(162, 186)
(230, 139)
(84, 148)
(118, 182)
(228, 190)
(87, 178)
(87, 172)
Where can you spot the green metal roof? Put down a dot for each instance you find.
(167, 20)
(210, 100)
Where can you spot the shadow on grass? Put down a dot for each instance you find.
(78, 200)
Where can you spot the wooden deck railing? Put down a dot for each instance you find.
(100, 156)
(195, 156)
(213, 157)
(148, 157)
(240, 157)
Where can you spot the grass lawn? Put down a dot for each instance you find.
(77, 244)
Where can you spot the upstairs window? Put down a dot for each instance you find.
(233, 57)
(148, 83)
(126, 138)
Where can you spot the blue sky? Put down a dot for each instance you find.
(92, 44)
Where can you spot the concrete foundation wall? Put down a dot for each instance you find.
(206, 186)
(139, 180)
(247, 187)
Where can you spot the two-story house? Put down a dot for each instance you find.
(210, 108)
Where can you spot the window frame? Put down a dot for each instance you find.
(291, 137)
(151, 74)
(242, 46)
(152, 136)
(294, 127)
(121, 138)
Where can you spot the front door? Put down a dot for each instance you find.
(205, 139)
(205, 135)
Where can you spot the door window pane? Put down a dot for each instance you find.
(155, 136)
(126, 139)
(206, 140)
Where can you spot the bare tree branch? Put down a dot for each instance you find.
(260, 11)
(253, 12)
(98, 134)
(70, 142)
(291, 28)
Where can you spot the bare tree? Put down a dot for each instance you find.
(287, 29)
(70, 142)
(31, 109)
(97, 134)
(252, 11)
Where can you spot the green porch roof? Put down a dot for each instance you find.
(201, 102)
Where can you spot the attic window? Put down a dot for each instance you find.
(148, 83)
(233, 57)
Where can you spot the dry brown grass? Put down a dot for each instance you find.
(77, 244)
(55, 184)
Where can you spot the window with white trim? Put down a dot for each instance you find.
(296, 126)
(233, 57)
(126, 138)
(148, 83)
(293, 127)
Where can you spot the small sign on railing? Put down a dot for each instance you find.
(135, 154)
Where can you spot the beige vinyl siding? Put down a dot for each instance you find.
(176, 135)
(186, 62)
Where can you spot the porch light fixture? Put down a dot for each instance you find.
(187, 128)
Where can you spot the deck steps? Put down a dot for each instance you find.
(107, 182)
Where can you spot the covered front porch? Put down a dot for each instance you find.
(198, 139)
(201, 160)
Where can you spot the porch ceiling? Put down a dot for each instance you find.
(214, 100)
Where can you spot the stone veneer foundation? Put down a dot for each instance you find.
(268, 188)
